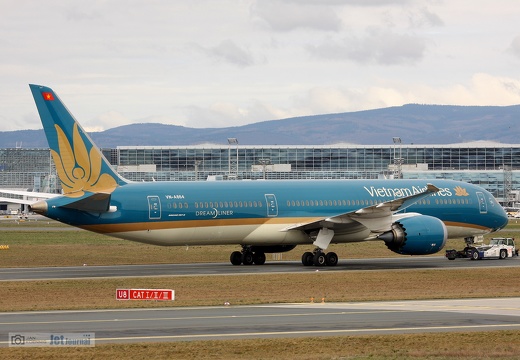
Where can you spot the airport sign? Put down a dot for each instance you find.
(145, 294)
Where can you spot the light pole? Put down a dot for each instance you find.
(264, 162)
(397, 160)
(232, 165)
(197, 163)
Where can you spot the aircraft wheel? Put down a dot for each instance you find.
(503, 254)
(307, 259)
(247, 258)
(319, 259)
(236, 258)
(259, 258)
(331, 259)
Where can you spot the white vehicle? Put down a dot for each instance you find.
(497, 248)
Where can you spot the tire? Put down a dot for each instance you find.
(247, 258)
(331, 259)
(319, 259)
(236, 258)
(475, 255)
(307, 259)
(503, 254)
(259, 258)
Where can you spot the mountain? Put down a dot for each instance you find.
(413, 123)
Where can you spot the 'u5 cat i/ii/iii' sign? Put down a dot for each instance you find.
(145, 294)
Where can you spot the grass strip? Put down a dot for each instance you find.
(504, 345)
(264, 288)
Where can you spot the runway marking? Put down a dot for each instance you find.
(499, 306)
(199, 317)
(303, 332)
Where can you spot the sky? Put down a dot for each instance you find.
(220, 63)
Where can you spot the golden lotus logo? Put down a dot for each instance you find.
(460, 191)
(78, 169)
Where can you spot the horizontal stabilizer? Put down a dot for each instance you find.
(98, 202)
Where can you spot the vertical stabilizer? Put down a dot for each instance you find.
(80, 164)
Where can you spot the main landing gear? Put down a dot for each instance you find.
(247, 257)
(319, 258)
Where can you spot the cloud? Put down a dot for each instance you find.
(377, 46)
(224, 114)
(216, 115)
(287, 16)
(484, 89)
(481, 89)
(231, 53)
(514, 48)
(108, 120)
(423, 17)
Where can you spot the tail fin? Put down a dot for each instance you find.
(80, 164)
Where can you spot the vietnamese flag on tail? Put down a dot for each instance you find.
(48, 96)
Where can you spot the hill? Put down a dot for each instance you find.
(413, 123)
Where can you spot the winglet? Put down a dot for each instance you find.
(80, 164)
(431, 188)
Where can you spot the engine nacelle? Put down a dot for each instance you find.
(417, 235)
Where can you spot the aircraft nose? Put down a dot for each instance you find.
(502, 218)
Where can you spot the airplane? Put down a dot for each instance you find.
(412, 217)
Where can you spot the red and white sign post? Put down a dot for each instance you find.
(145, 294)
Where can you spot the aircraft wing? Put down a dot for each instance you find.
(17, 201)
(30, 196)
(376, 218)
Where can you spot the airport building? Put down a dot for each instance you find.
(494, 166)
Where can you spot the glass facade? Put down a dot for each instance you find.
(27, 169)
(486, 164)
(496, 167)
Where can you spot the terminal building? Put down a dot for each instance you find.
(494, 166)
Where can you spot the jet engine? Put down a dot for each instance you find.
(417, 235)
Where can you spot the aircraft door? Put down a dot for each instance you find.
(272, 205)
(154, 207)
(482, 203)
